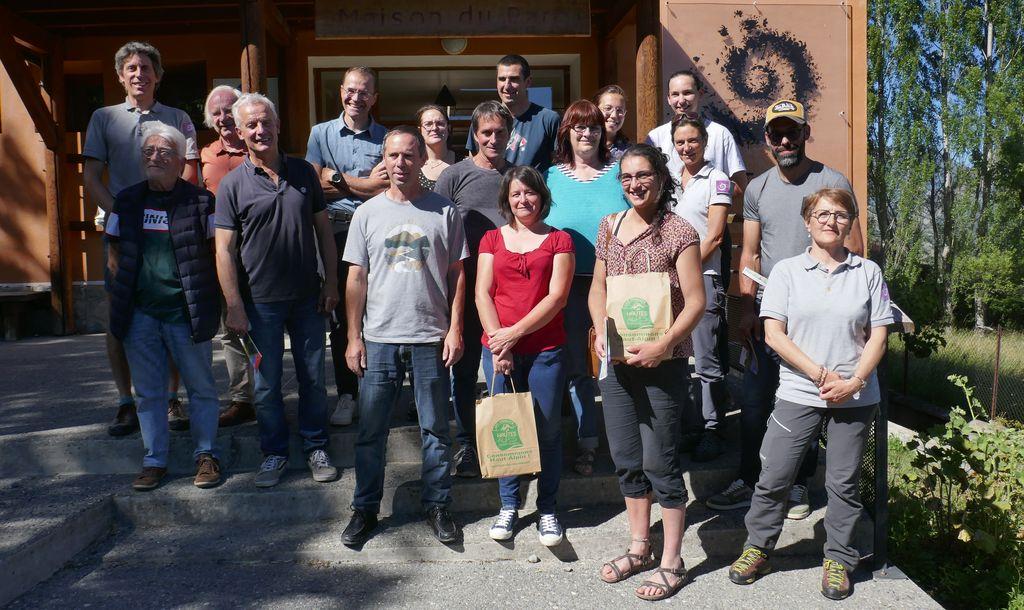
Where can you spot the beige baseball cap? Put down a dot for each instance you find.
(790, 109)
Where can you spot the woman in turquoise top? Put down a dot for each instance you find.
(584, 189)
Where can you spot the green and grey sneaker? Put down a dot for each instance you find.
(835, 583)
(750, 566)
(270, 470)
(799, 505)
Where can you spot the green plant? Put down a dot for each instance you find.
(957, 517)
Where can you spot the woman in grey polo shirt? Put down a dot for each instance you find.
(825, 312)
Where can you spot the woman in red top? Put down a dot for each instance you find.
(523, 275)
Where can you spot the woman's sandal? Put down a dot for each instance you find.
(637, 564)
(585, 462)
(665, 590)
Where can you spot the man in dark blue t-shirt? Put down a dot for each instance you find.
(532, 140)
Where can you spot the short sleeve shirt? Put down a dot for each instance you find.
(622, 258)
(276, 235)
(520, 281)
(706, 188)
(333, 144)
(532, 141)
(828, 316)
(407, 249)
(474, 191)
(775, 204)
(721, 150)
(114, 136)
(215, 162)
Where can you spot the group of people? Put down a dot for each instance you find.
(420, 265)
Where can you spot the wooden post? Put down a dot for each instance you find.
(61, 294)
(254, 46)
(648, 67)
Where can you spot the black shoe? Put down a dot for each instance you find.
(359, 528)
(441, 522)
(709, 447)
(466, 464)
(688, 442)
(126, 421)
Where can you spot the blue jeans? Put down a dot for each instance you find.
(757, 406)
(147, 345)
(386, 365)
(307, 329)
(582, 388)
(543, 375)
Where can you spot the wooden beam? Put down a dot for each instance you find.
(277, 27)
(618, 12)
(648, 66)
(60, 271)
(254, 46)
(28, 88)
(26, 33)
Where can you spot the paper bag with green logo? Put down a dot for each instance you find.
(639, 310)
(506, 435)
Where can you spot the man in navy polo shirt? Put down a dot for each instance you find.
(346, 152)
(271, 217)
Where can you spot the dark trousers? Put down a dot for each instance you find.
(642, 409)
(344, 378)
(466, 371)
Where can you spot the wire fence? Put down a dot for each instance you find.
(992, 360)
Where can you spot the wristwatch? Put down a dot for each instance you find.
(336, 178)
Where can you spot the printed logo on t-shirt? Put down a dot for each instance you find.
(407, 248)
(885, 291)
(516, 142)
(723, 187)
(154, 220)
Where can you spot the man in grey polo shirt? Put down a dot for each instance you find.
(774, 230)
(346, 152)
(113, 140)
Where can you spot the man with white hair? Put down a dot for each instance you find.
(271, 225)
(218, 158)
(164, 299)
(112, 142)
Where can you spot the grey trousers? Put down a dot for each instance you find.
(240, 375)
(709, 391)
(791, 428)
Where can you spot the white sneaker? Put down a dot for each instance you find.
(321, 467)
(344, 411)
(799, 506)
(549, 530)
(504, 524)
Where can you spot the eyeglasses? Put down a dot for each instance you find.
(613, 111)
(359, 95)
(823, 217)
(585, 129)
(433, 124)
(161, 153)
(641, 177)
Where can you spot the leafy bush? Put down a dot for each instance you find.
(957, 514)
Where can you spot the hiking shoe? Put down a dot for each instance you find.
(125, 422)
(584, 464)
(149, 478)
(207, 471)
(549, 530)
(504, 524)
(271, 470)
(799, 507)
(177, 416)
(344, 411)
(359, 527)
(466, 464)
(709, 447)
(750, 566)
(238, 412)
(736, 495)
(835, 583)
(321, 467)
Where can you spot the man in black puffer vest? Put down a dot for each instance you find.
(165, 299)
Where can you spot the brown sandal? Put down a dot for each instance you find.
(665, 590)
(637, 564)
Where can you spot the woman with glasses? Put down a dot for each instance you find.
(611, 101)
(825, 312)
(584, 189)
(433, 123)
(644, 396)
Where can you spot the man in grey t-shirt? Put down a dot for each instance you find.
(404, 296)
(773, 230)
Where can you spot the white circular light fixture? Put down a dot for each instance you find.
(454, 46)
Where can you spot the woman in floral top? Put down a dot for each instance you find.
(644, 397)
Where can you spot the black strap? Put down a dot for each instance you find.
(618, 224)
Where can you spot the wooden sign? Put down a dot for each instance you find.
(451, 18)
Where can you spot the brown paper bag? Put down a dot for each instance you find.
(506, 435)
(639, 308)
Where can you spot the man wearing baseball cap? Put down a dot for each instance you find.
(774, 230)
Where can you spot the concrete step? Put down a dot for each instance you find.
(298, 499)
